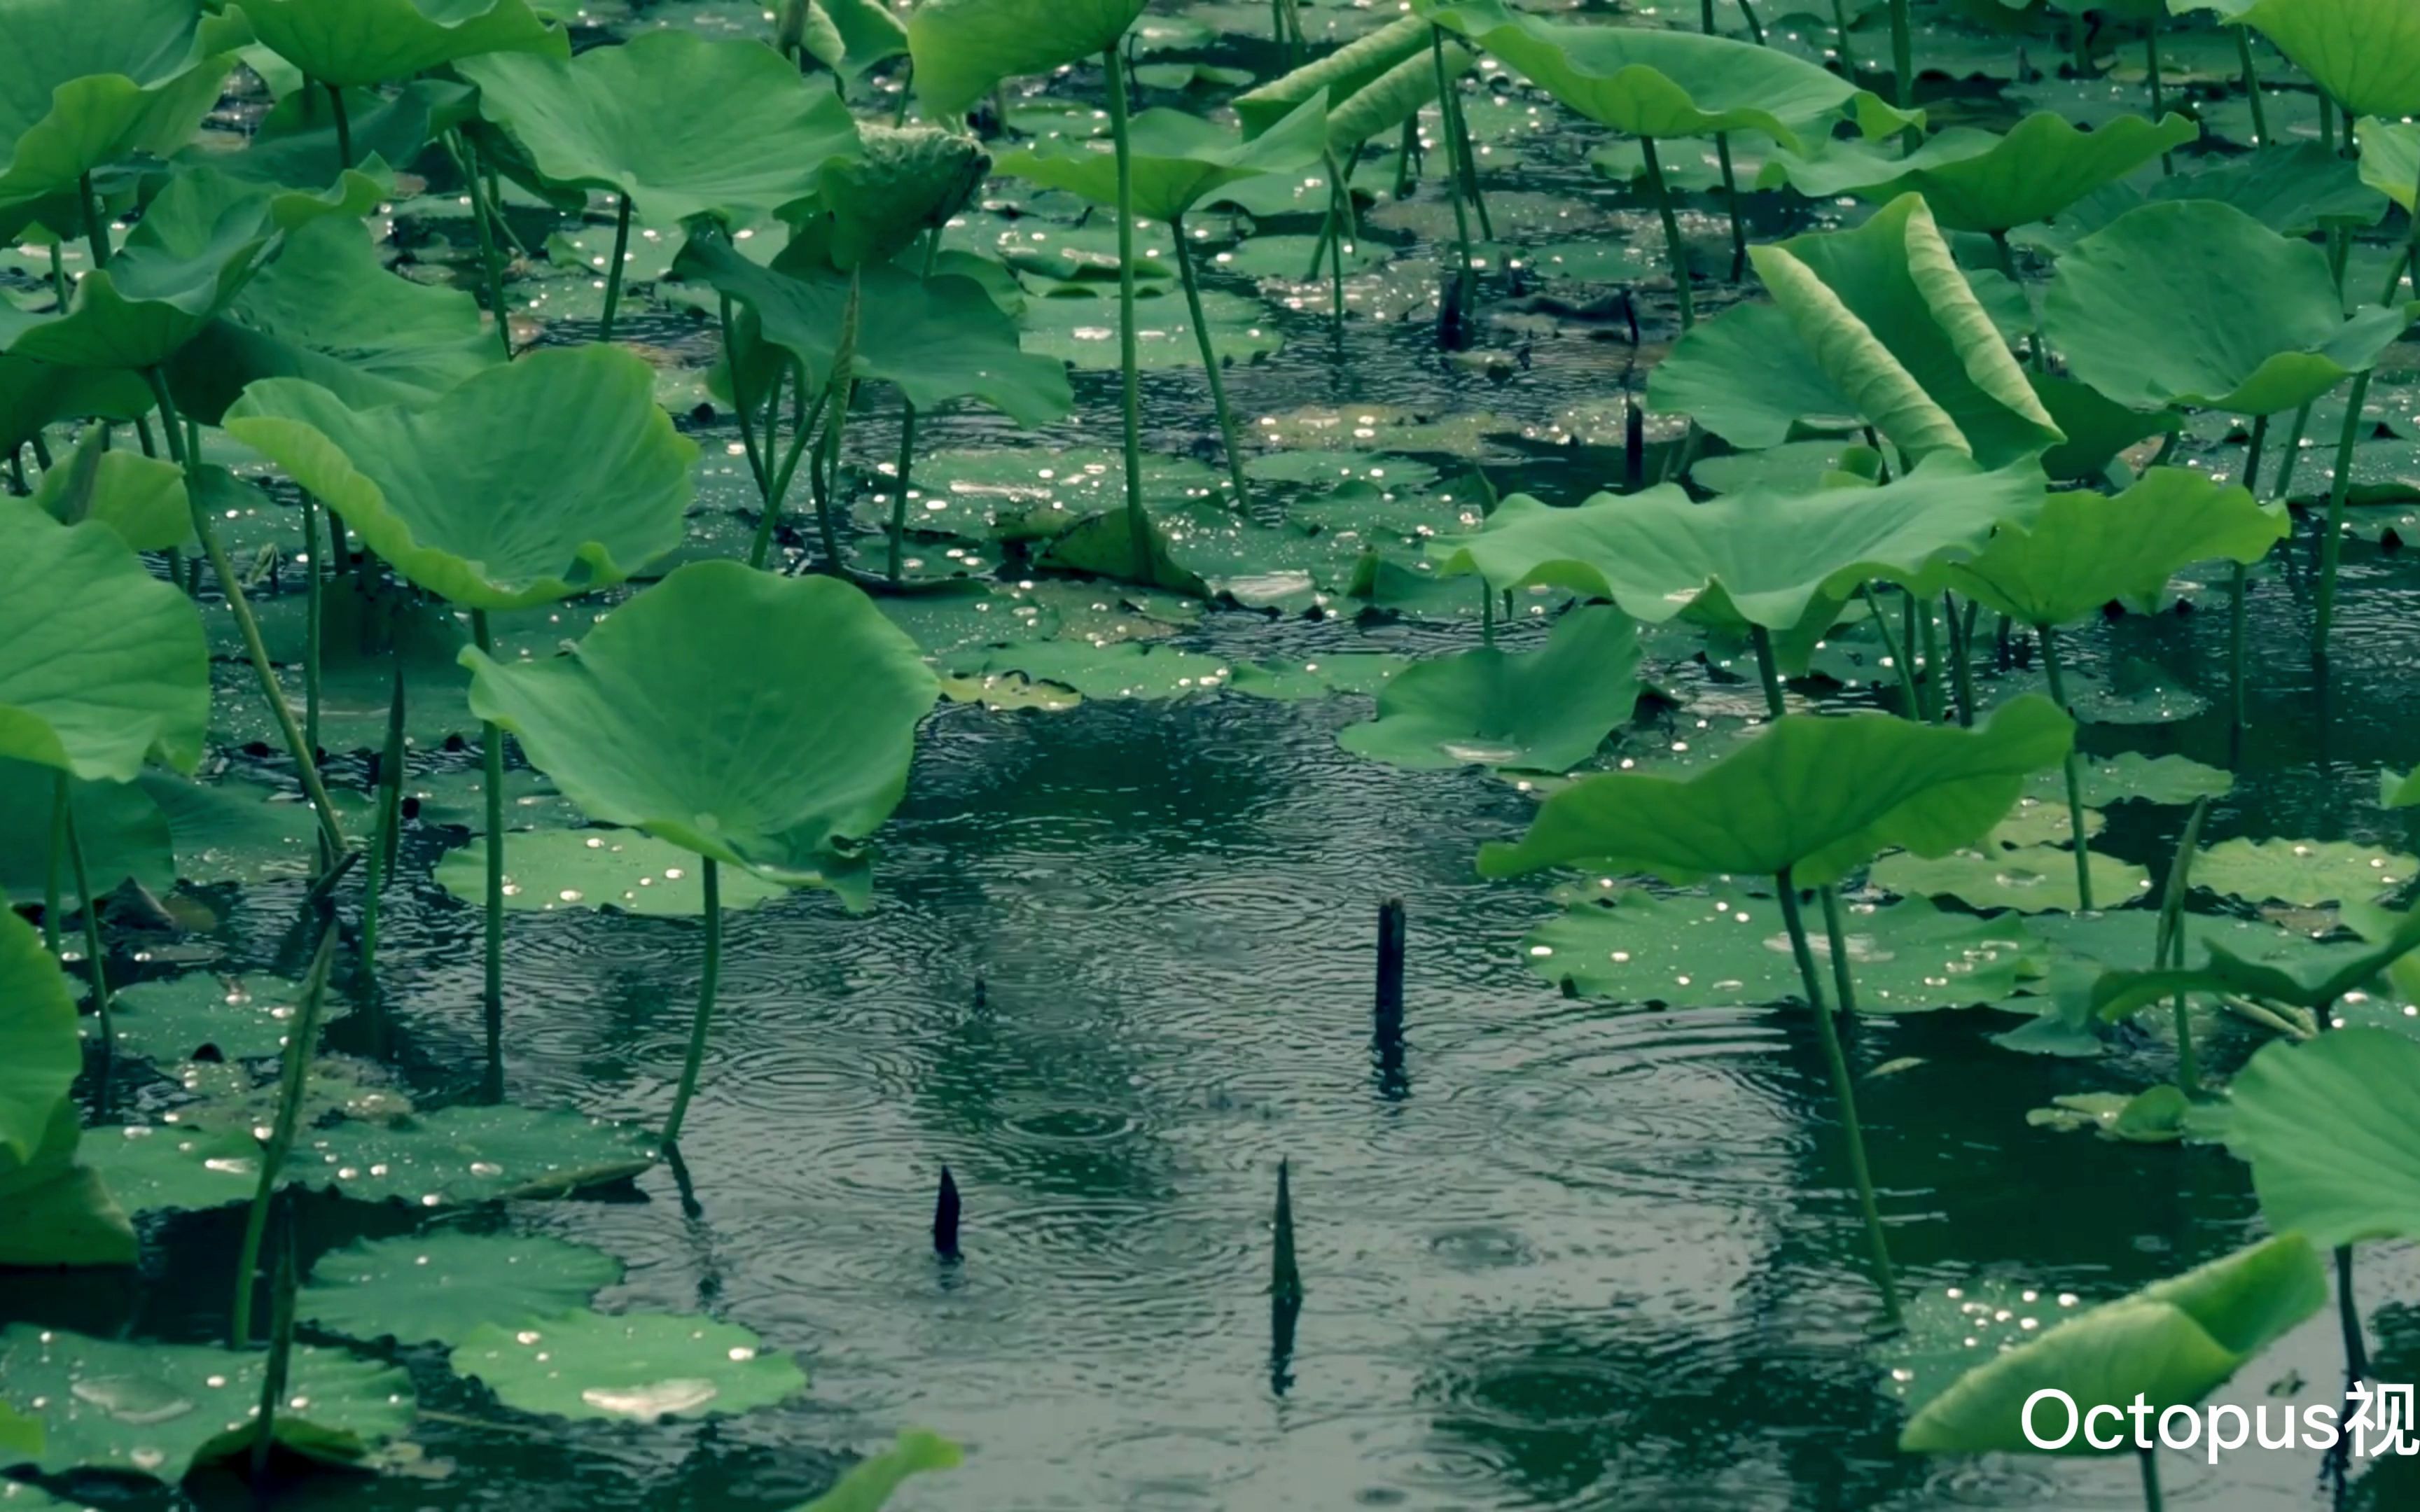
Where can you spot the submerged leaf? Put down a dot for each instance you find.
(868, 1484)
(1542, 710)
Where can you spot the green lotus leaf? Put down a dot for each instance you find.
(2133, 775)
(1176, 159)
(2194, 303)
(441, 1287)
(40, 1052)
(2031, 879)
(867, 1485)
(123, 833)
(1083, 329)
(1728, 952)
(101, 665)
(1544, 710)
(2366, 53)
(2312, 978)
(2174, 1341)
(2294, 189)
(961, 48)
(1388, 100)
(355, 44)
(938, 339)
(296, 146)
(87, 83)
(23, 1435)
(1339, 75)
(1895, 326)
(1747, 377)
(639, 1367)
(1653, 81)
(555, 870)
(2390, 159)
(234, 832)
(36, 395)
(624, 119)
(2098, 428)
(175, 1018)
(140, 498)
(2086, 549)
(329, 311)
(2305, 873)
(1977, 180)
(1778, 802)
(532, 482)
(144, 1408)
(905, 180)
(2330, 1128)
(760, 720)
(1763, 554)
(858, 34)
(55, 1212)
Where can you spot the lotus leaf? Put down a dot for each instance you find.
(2293, 188)
(355, 43)
(2195, 302)
(1894, 326)
(759, 721)
(639, 1367)
(2328, 1128)
(40, 1054)
(2133, 775)
(550, 871)
(2030, 879)
(101, 665)
(1763, 554)
(624, 119)
(2390, 159)
(905, 180)
(531, 482)
(441, 1287)
(2304, 873)
(1746, 376)
(1177, 158)
(1542, 710)
(1083, 331)
(1654, 82)
(1977, 180)
(234, 832)
(2307, 978)
(856, 34)
(2365, 54)
(2086, 549)
(1734, 950)
(1777, 804)
(868, 1484)
(2098, 429)
(87, 83)
(961, 48)
(139, 498)
(296, 144)
(178, 1018)
(145, 1408)
(122, 832)
(1340, 75)
(36, 395)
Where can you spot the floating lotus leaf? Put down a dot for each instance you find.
(1894, 326)
(868, 1484)
(1781, 802)
(1762, 554)
(624, 119)
(1176, 159)
(2304, 873)
(1544, 710)
(2031, 879)
(1734, 950)
(2174, 1341)
(122, 832)
(2133, 775)
(139, 498)
(557, 871)
(2086, 549)
(760, 720)
(961, 48)
(178, 1018)
(87, 83)
(1656, 82)
(144, 1408)
(234, 832)
(1977, 180)
(534, 481)
(905, 180)
(2194, 303)
(328, 310)
(1083, 331)
(2154, 1115)
(2330, 1129)
(2365, 54)
(355, 44)
(1746, 376)
(441, 1287)
(640, 1367)
(938, 339)
(101, 665)
(1339, 76)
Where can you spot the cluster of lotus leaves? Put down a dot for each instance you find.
(86, 84)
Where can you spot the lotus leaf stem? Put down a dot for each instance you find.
(2152, 1501)
(1129, 358)
(301, 1044)
(1767, 671)
(491, 757)
(1406, 154)
(1961, 655)
(2238, 612)
(1466, 161)
(59, 275)
(825, 480)
(710, 877)
(1732, 201)
(1835, 940)
(1898, 661)
(740, 406)
(908, 417)
(1755, 27)
(2347, 1309)
(491, 263)
(281, 1350)
(2076, 39)
(143, 436)
(95, 222)
(2252, 85)
(1674, 249)
(614, 270)
(1841, 30)
(51, 900)
(1187, 275)
(2151, 67)
(96, 958)
(312, 610)
(1844, 1090)
(2331, 533)
(1465, 282)
(344, 125)
(2327, 120)
(2169, 947)
(246, 625)
(1929, 634)
(2294, 454)
(1903, 59)
(2074, 770)
(383, 841)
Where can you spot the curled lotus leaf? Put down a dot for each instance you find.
(1977, 180)
(961, 48)
(355, 43)
(1176, 159)
(1340, 75)
(868, 1484)
(905, 180)
(87, 83)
